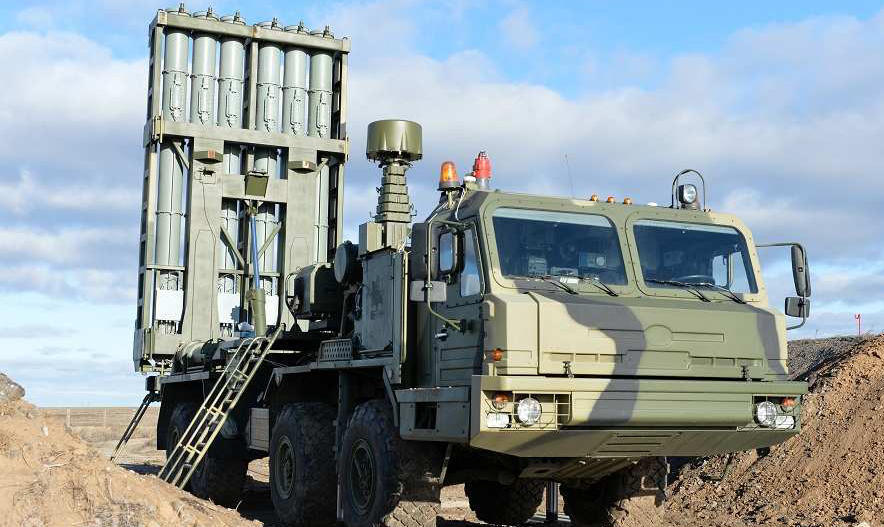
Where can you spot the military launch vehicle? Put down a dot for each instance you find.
(504, 341)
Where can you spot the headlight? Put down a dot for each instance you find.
(497, 420)
(766, 413)
(784, 422)
(687, 194)
(528, 411)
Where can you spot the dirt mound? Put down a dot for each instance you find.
(49, 478)
(10, 390)
(829, 475)
(807, 355)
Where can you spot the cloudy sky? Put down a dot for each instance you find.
(780, 105)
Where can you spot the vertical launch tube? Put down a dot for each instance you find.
(171, 172)
(294, 87)
(320, 104)
(230, 106)
(319, 108)
(202, 78)
(170, 177)
(230, 92)
(269, 65)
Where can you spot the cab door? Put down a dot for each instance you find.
(457, 347)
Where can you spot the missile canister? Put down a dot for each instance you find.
(171, 173)
(230, 103)
(202, 78)
(230, 92)
(294, 87)
(320, 103)
(175, 70)
(269, 66)
(170, 169)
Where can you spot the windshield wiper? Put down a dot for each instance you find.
(683, 285)
(724, 290)
(601, 285)
(552, 280)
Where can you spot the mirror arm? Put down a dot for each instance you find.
(804, 256)
(454, 324)
(803, 318)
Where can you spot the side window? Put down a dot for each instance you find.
(470, 282)
(446, 252)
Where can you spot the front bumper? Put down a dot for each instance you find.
(629, 417)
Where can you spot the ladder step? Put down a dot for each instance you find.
(206, 424)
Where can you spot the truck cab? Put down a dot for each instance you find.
(639, 330)
(588, 328)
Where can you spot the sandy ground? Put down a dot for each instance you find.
(54, 469)
(51, 478)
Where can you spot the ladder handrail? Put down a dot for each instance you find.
(215, 409)
(222, 382)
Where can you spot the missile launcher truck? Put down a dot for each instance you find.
(505, 341)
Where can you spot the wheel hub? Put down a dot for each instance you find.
(362, 476)
(284, 472)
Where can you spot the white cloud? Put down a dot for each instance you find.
(737, 116)
(68, 245)
(75, 100)
(519, 30)
(28, 195)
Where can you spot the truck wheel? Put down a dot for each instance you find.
(500, 504)
(383, 477)
(604, 503)
(302, 460)
(219, 479)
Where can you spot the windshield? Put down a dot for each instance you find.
(711, 255)
(547, 243)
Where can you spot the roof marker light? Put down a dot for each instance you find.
(448, 178)
(482, 170)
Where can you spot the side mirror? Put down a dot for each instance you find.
(419, 290)
(797, 307)
(800, 272)
(418, 266)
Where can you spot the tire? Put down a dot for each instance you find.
(382, 476)
(500, 504)
(605, 502)
(302, 465)
(219, 479)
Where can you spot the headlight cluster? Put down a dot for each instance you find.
(525, 411)
(768, 414)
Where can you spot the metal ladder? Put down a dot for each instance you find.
(216, 407)
(133, 424)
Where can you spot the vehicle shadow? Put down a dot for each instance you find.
(257, 505)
